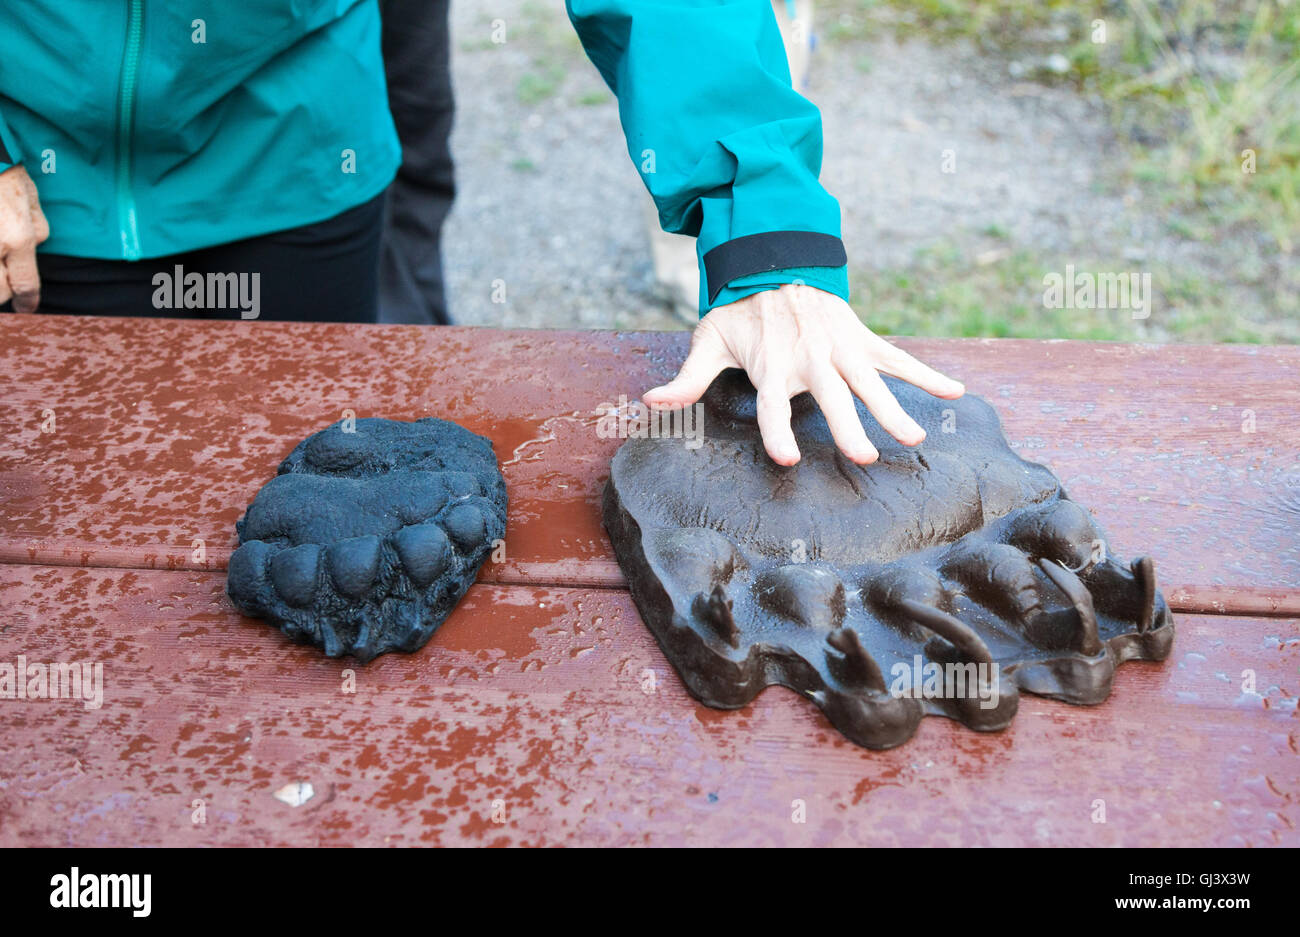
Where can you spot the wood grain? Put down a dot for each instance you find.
(553, 708)
(163, 430)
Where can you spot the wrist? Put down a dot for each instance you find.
(833, 280)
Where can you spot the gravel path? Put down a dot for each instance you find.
(551, 204)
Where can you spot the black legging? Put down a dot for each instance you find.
(325, 272)
(417, 63)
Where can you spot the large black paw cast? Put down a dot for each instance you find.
(943, 579)
(365, 540)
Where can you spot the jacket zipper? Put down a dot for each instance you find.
(125, 118)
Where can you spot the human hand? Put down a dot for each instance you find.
(799, 338)
(22, 227)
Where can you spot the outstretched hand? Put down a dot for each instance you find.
(799, 338)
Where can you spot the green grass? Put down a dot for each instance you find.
(1219, 99)
(1190, 86)
(946, 292)
(536, 86)
(553, 51)
(1192, 83)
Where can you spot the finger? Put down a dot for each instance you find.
(893, 419)
(40, 227)
(24, 281)
(893, 360)
(5, 293)
(708, 358)
(832, 395)
(773, 403)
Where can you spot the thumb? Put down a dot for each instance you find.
(707, 359)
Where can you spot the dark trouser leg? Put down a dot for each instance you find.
(417, 62)
(325, 272)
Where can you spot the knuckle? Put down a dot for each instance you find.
(826, 381)
(11, 242)
(863, 381)
(895, 355)
(772, 399)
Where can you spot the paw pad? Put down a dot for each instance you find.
(366, 540)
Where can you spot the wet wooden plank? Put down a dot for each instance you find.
(164, 430)
(552, 711)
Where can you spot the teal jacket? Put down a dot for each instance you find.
(152, 128)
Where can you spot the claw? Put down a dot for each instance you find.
(1144, 570)
(330, 640)
(856, 667)
(952, 629)
(1081, 599)
(715, 611)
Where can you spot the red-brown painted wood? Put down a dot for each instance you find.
(165, 429)
(542, 699)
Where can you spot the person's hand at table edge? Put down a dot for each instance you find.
(799, 338)
(22, 227)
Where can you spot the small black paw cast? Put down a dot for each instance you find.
(367, 538)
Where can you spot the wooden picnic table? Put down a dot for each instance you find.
(543, 712)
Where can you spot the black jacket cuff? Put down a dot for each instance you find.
(771, 250)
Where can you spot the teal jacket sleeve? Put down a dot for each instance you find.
(729, 151)
(9, 155)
